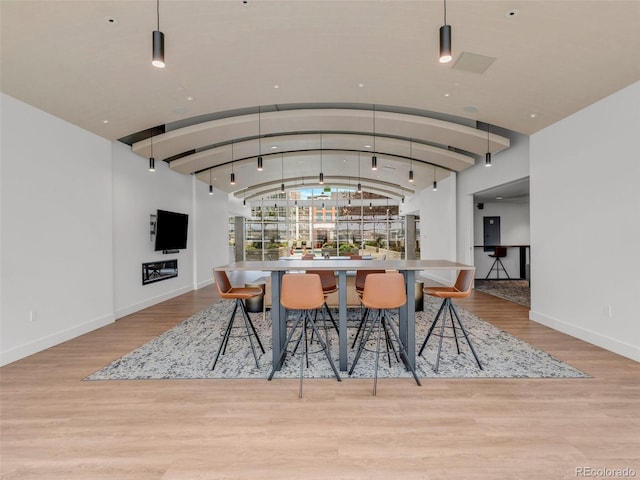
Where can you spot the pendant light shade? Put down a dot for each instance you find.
(445, 44)
(232, 179)
(374, 158)
(410, 176)
(210, 185)
(152, 161)
(445, 39)
(157, 59)
(374, 163)
(435, 183)
(259, 139)
(410, 161)
(321, 178)
(487, 157)
(359, 190)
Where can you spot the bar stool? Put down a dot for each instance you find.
(498, 253)
(329, 286)
(383, 291)
(361, 276)
(461, 289)
(303, 292)
(226, 291)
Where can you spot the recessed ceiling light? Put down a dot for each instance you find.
(447, 94)
(276, 86)
(273, 147)
(533, 115)
(361, 85)
(498, 198)
(367, 146)
(105, 121)
(512, 12)
(190, 98)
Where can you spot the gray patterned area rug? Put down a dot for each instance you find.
(187, 350)
(516, 291)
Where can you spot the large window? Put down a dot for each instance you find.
(324, 221)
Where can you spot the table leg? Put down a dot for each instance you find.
(278, 320)
(342, 296)
(408, 317)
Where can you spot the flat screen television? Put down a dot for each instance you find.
(171, 230)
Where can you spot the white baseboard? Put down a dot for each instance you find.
(206, 283)
(53, 339)
(123, 312)
(595, 338)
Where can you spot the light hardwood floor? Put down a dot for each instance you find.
(56, 426)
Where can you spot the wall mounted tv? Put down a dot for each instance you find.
(171, 230)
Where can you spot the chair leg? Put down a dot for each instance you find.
(375, 370)
(363, 342)
(504, 269)
(253, 328)
(362, 322)
(453, 327)
(284, 350)
(435, 321)
(464, 332)
(325, 347)
(403, 351)
(305, 353)
(247, 322)
(442, 324)
(225, 338)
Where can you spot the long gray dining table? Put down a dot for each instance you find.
(408, 268)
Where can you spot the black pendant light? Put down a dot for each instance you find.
(321, 176)
(232, 179)
(157, 59)
(359, 188)
(282, 173)
(259, 139)
(435, 183)
(410, 161)
(487, 157)
(210, 185)
(445, 39)
(374, 158)
(152, 161)
(244, 198)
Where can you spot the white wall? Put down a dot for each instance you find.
(74, 230)
(585, 224)
(56, 269)
(507, 166)
(138, 193)
(438, 226)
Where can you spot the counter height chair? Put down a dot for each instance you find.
(329, 286)
(303, 293)
(498, 253)
(461, 289)
(361, 275)
(382, 292)
(226, 291)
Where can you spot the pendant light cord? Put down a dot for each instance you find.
(158, 12)
(445, 12)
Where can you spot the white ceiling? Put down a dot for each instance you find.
(333, 63)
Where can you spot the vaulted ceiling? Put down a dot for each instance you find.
(317, 85)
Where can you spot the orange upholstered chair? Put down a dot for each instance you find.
(382, 292)
(226, 291)
(303, 293)
(361, 276)
(461, 289)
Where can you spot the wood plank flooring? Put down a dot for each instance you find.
(56, 426)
